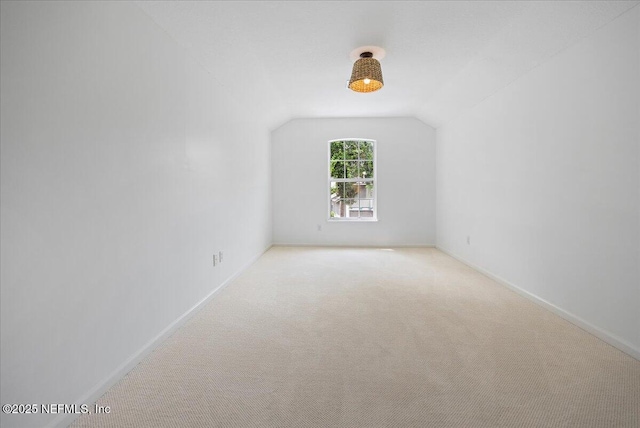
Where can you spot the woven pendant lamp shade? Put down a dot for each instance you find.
(366, 75)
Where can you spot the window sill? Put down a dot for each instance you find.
(352, 220)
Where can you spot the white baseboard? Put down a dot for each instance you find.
(601, 334)
(98, 391)
(285, 244)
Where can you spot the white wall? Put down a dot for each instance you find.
(117, 153)
(543, 178)
(405, 182)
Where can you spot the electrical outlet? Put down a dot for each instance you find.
(220, 256)
(468, 240)
(215, 260)
(319, 228)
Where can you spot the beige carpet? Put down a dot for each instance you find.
(331, 337)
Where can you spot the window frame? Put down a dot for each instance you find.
(373, 180)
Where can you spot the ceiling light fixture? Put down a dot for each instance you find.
(366, 75)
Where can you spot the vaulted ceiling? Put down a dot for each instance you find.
(287, 59)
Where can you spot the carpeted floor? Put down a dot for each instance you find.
(338, 337)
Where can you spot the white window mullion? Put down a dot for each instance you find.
(358, 157)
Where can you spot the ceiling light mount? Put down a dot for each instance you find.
(367, 73)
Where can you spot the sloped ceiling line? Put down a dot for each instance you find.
(282, 60)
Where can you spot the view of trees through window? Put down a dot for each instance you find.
(352, 179)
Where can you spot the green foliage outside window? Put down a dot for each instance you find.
(350, 159)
